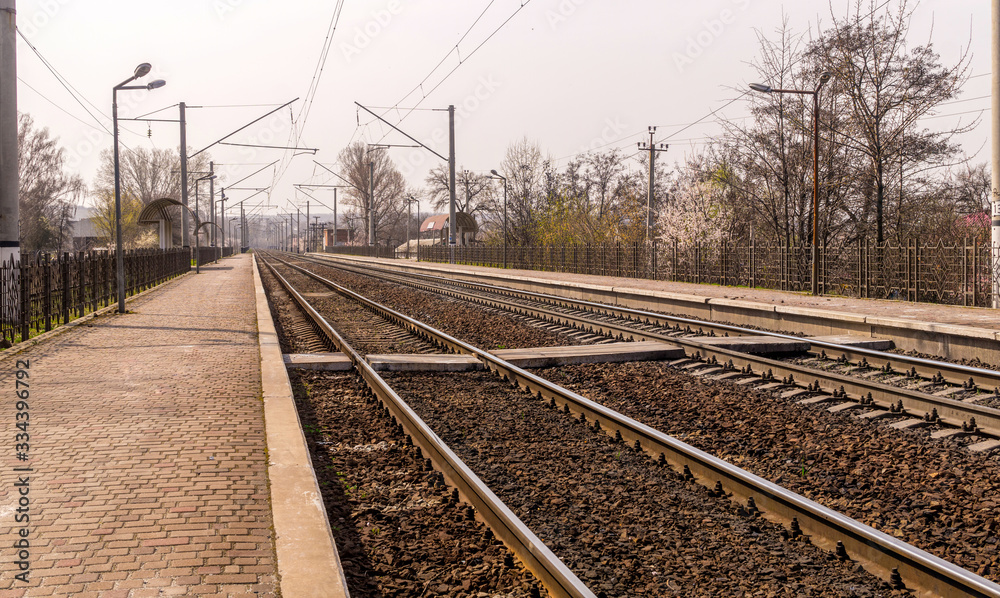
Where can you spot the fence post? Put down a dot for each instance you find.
(823, 269)
(975, 274)
(48, 293)
(965, 272)
(25, 294)
(697, 261)
(673, 272)
(64, 267)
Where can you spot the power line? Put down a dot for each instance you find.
(298, 124)
(62, 81)
(443, 58)
(79, 97)
(67, 112)
(461, 61)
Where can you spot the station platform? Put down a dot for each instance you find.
(956, 332)
(147, 449)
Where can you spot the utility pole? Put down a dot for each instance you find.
(334, 217)
(10, 233)
(222, 214)
(409, 202)
(316, 228)
(243, 228)
(309, 236)
(185, 239)
(211, 201)
(371, 203)
(451, 180)
(652, 179)
(995, 142)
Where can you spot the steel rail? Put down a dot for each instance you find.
(915, 404)
(878, 552)
(951, 372)
(533, 553)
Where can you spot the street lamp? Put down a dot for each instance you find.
(815, 94)
(197, 223)
(500, 176)
(409, 202)
(140, 71)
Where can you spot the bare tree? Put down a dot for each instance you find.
(471, 190)
(46, 193)
(523, 166)
(389, 187)
(886, 88)
(148, 175)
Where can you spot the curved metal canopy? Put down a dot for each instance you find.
(156, 210)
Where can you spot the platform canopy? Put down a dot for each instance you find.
(155, 212)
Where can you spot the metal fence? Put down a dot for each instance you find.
(39, 293)
(379, 251)
(208, 255)
(957, 273)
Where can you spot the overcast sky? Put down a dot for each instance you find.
(568, 74)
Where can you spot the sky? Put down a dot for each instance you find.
(571, 75)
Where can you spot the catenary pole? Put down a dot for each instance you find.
(211, 202)
(185, 239)
(451, 180)
(10, 234)
(995, 142)
(371, 203)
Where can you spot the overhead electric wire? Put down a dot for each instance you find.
(299, 123)
(461, 61)
(66, 85)
(80, 99)
(67, 112)
(443, 59)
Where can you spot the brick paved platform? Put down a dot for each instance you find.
(147, 445)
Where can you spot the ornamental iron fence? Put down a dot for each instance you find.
(956, 273)
(42, 292)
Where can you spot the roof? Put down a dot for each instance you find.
(155, 211)
(440, 222)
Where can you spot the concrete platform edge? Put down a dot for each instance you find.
(308, 561)
(949, 340)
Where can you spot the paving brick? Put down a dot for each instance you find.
(134, 504)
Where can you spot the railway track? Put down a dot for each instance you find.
(817, 381)
(893, 560)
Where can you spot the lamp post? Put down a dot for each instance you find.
(409, 202)
(500, 176)
(140, 71)
(197, 223)
(815, 95)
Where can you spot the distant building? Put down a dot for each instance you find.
(85, 234)
(343, 237)
(465, 228)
